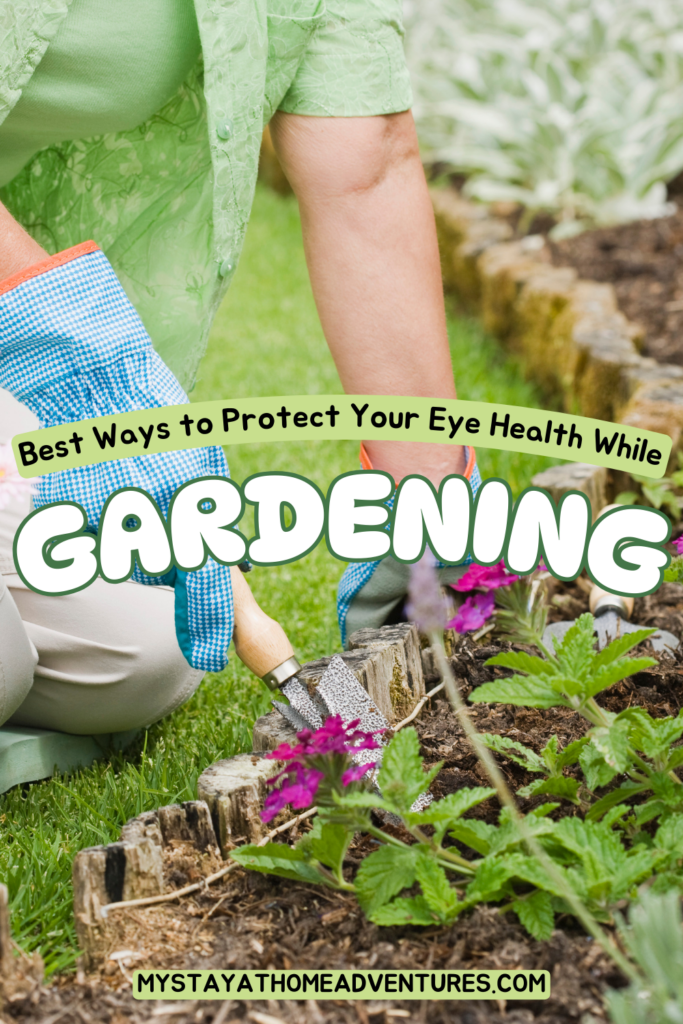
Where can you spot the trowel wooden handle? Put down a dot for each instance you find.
(600, 598)
(261, 642)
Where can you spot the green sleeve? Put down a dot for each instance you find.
(354, 64)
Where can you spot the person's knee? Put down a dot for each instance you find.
(18, 657)
(109, 659)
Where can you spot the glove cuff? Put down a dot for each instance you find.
(72, 345)
(469, 467)
(36, 269)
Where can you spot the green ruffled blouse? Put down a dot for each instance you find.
(168, 200)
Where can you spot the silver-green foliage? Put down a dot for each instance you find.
(654, 941)
(571, 106)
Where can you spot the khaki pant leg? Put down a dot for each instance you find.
(18, 656)
(108, 658)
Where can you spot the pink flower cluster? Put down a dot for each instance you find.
(479, 606)
(678, 544)
(321, 755)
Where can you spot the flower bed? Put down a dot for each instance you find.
(252, 920)
(572, 335)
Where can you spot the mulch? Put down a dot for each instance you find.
(644, 262)
(260, 922)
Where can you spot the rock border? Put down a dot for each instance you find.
(574, 341)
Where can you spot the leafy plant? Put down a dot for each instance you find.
(560, 105)
(654, 940)
(532, 865)
(659, 494)
(631, 743)
(595, 858)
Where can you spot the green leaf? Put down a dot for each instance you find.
(450, 807)
(627, 498)
(528, 869)
(550, 753)
(669, 838)
(411, 910)
(576, 651)
(674, 574)
(402, 777)
(328, 843)
(474, 833)
(543, 810)
(522, 662)
(436, 888)
(652, 736)
(570, 754)
(666, 789)
(598, 773)
(516, 752)
(278, 859)
(615, 797)
(490, 881)
(612, 742)
(359, 800)
(554, 786)
(617, 671)
(650, 810)
(536, 914)
(384, 873)
(675, 758)
(518, 690)
(620, 646)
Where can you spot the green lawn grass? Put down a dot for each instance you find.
(266, 341)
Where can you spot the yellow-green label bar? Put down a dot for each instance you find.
(348, 984)
(342, 417)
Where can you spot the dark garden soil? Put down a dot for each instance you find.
(644, 262)
(256, 921)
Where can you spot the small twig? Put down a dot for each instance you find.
(167, 896)
(418, 707)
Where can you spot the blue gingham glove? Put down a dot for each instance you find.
(73, 347)
(373, 593)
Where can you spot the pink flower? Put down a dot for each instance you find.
(320, 757)
(473, 613)
(299, 791)
(12, 486)
(487, 577)
(678, 544)
(333, 737)
(356, 772)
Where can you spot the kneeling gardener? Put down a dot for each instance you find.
(139, 126)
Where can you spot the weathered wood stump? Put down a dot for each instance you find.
(234, 790)
(592, 481)
(133, 868)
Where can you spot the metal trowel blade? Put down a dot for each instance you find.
(608, 627)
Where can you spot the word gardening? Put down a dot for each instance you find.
(57, 551)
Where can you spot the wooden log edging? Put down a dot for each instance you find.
(574, 341)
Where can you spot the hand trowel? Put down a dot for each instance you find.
(612, 614)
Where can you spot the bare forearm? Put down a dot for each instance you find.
(17, 249)
(373, 259)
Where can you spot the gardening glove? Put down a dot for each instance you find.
(73, 347)
(373, 593)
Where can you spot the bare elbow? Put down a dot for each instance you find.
(328, 158)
